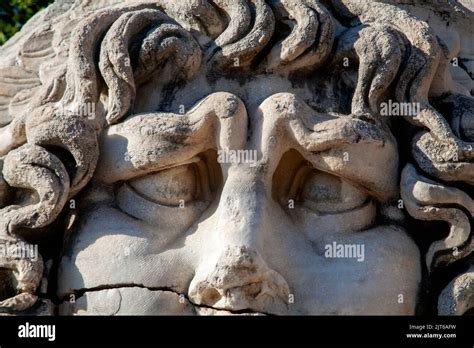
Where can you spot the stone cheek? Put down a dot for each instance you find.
(237, 158)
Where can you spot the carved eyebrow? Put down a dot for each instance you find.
(345, 146)
(145, 143)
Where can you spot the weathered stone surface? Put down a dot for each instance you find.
(458, 297)
(238, 157)
(127, 301)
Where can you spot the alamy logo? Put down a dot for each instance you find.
(19, 250)
(86, 110)
(399, 109)
(347, 251)
(37, 331)
(237, 156)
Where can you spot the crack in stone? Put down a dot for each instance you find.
(80, 292)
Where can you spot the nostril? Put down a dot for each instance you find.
(210, 296)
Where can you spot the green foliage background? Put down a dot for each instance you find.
(15, 13)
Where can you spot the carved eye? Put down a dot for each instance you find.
(174, 197)
(169, 187)
(328, 193)
(296, 180)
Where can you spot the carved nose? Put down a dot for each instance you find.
(240, 280)
(234, 276)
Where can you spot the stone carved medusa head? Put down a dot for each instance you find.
(219, 157)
